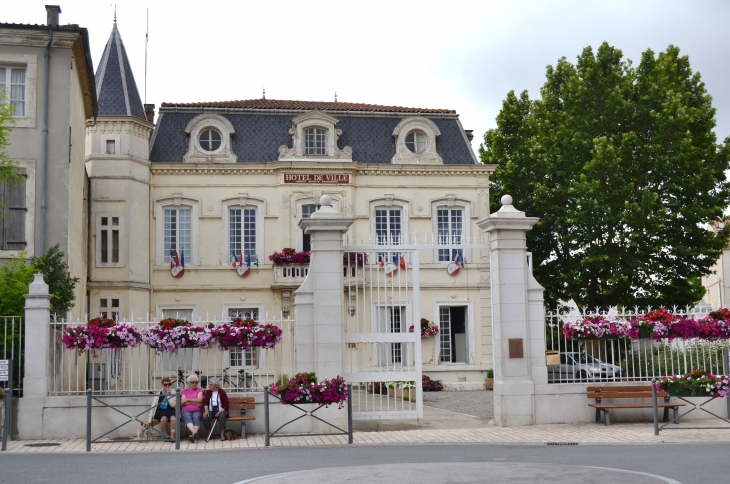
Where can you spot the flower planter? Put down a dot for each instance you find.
(489, 383)
(245, 333)
(597, 338)
(677, 390)
(645, 333)
(101, 333)
(409, 393)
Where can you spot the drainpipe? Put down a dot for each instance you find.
(44, 161)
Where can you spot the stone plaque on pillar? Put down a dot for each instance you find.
(516, 349)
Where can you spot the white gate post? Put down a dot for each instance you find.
(320, 301)
(518, 334)
(35, 381)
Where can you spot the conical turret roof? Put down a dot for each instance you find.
(115, 87)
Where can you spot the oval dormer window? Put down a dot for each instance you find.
(210, 140)
(416, 142)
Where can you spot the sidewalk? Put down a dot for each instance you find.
(630, 433)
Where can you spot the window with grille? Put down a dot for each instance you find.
(416, 142)
(13, 212)
(450, 231)
(388, 232)
(242, 233)
(248, 357)
(109, 308)
(209, 139)
(307, 211)
(108, 239)
(178, 234)
(12, 80)
(315, 141)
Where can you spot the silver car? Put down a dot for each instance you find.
(582, 367)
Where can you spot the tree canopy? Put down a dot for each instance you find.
(623, 168)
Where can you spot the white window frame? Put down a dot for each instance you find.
(390, 203)
(427, 128)
(314, 119)
(30, 64)
(177, 201)
(29, 250)
(122, 238)
(470, 331)
(258, 306)
(313, 134)
(244, 202)
(108, 309)
(406, 322)
(451, 202)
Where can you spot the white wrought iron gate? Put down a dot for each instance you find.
(383, 358)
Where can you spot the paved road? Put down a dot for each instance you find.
(685, 463)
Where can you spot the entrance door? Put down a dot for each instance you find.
(453, 336)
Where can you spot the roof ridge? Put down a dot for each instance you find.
(306, 106)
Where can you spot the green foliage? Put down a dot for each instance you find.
(18, 273)
(624, 171)
(15, 276)
(60, 285)
(667, 360)
(6, 123)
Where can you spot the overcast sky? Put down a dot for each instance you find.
(462, 55)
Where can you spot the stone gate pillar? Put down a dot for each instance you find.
(319, 306)
(518, 333)
(37, 365)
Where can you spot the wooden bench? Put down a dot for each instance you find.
(240, 404)
(629, 391)
(235, 404)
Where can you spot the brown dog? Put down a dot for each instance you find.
(144, 432)
(231, 434)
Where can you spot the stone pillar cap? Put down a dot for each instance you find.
(507, 210)
(326, 210)
(38, 286)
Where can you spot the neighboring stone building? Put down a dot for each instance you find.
(48, 74)
(215, 181)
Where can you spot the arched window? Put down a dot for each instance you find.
(210, 140)
(416, 142)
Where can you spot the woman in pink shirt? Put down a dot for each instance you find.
(191, 406)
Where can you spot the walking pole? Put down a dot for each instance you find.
(212, 428)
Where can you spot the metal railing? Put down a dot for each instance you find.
(140, 369)
(12, 347)
(626, 359)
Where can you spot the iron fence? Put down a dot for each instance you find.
(625, 359)
(12, 347)
(141, 369)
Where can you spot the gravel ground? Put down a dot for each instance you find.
(478, 403)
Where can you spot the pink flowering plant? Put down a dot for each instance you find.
(305, 388)
(354, 259)
(715, 326)
(244, 333)
(597, 326)
(169, 335)
(657, 324)
(290, 256)
(428, 329)
(697, 382)
(100, 333)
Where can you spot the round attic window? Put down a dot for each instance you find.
(209, 139)
(416, 142)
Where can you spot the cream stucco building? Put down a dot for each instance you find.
(211, 182)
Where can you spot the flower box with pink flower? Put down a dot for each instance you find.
(170, 335)
(101, 333)
(245, 333)
(597, 327)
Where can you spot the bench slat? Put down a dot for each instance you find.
(634, 405)
(623, 395)
(236, 418)
(620, 388)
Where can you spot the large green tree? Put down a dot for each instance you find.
(623, 168)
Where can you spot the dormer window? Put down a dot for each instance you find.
(210, 140)
(314, 138)
(315, 141)
(416, 142)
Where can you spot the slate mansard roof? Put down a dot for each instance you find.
(262, 125)
(115, 86)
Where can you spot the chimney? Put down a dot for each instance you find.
(52, 12)
(149, 111)
(469, 134)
